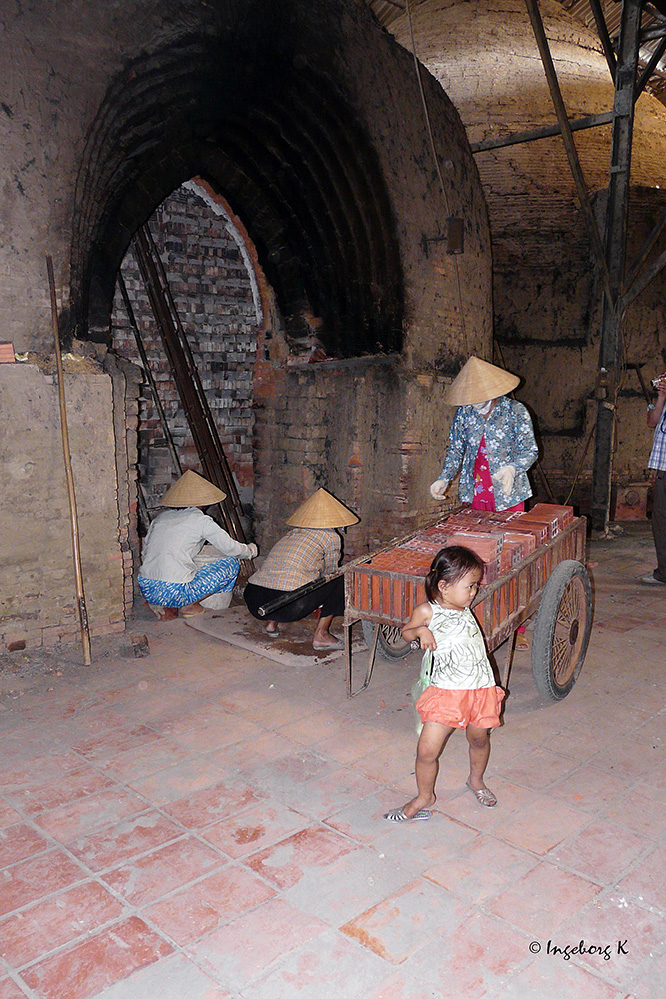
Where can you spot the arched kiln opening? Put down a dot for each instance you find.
(216, 296)
(287, 152)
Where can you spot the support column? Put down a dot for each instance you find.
(615, 248)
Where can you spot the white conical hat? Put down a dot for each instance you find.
(322, 510)
(479, 381)
(192, 490)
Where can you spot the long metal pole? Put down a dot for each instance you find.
(178, 363)
(74, 523)
(149, 375)
(204, 408)
(602, 31)
(188, 383)
(569, 145)
(655, 59)
(196, 405)
(544, 132)
(615, 250)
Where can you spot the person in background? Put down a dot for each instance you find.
(171, 576)
(656, 420)
(491, 440)
(311, 550)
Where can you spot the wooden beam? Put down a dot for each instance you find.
(530, 135)
(569, 145)
(602, 29)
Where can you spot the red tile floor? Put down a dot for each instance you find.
(207, 823)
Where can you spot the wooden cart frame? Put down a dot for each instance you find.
(551, 582)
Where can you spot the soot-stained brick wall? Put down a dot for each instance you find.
(308, 119)
(368, 430)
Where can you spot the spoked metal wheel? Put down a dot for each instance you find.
(390, 644)
(562, 630)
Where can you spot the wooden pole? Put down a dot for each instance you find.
(80, 597)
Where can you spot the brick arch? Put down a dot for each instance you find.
(290, 156)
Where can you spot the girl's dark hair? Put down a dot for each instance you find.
(450, 564)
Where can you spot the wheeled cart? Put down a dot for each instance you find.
(551, 583)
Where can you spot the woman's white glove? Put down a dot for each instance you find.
(254, 551)
(438, 489)
(504, 478)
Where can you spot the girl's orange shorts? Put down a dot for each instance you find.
(460, 708)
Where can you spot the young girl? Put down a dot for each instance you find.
(461, 690)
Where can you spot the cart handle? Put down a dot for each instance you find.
(287, 598)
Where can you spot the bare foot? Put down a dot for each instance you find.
(164, 613)
(191, 610)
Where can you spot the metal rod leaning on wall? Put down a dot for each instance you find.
(149, 375)
(177, 360)
(602, 30)
(80, 596)
(188, 383)
(546, 131)
(206, 415)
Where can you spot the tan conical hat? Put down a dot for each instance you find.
(479, 381)
(192, 490)
(322, 510)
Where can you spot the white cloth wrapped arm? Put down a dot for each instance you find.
(504, 478)
(438, 488)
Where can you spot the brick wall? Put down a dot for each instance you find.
(366, 429)
(217, 301)
(333, 175)
(37, 584)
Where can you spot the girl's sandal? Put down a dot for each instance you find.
(484, 796)
(398, 815)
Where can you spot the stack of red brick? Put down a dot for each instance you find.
(501, 540)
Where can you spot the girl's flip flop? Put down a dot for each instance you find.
(398, 815)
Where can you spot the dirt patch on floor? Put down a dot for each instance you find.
(23, 670)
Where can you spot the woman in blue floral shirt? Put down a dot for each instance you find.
(491, 437)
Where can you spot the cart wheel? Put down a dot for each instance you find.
(390, 644)
(562, 630)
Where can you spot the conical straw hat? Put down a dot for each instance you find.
(322, 510)
(192, 490)
(479, 381)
